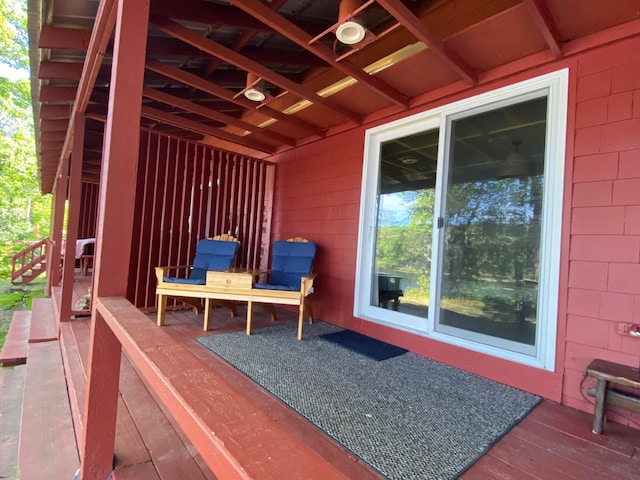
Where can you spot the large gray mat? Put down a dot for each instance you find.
(409, 417)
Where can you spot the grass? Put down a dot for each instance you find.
(17, 297)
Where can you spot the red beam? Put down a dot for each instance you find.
(64, 38)
(100, 35)
(198, 127)
(214, 115)
(414, 25)
(213, 89)
(545, 24)
(303, 39)
(59, 71)
(55, 112)
(53, 125)
(50, 93)
(217, 50)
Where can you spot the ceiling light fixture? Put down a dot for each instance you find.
(351, 30)
(254, 90)
(515, 164)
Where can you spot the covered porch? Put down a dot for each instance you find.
(151, 441)
(251, 119)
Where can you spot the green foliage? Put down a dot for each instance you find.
(14, 40)
(24, 212)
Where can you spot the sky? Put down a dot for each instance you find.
(11, 73)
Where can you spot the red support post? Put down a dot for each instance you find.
(113, 239)
(57, 224)
(73, 216)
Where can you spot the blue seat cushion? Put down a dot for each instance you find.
(290, 261)
(212, 255)
(185, 281)
(269, 286)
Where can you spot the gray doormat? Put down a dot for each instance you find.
(408, 417)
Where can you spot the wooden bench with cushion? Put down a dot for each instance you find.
(609, 374)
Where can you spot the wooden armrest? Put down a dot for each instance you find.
(161, 272)
(306, 284)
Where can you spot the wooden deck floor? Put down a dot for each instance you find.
(553, 442)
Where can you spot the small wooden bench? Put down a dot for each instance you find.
(608, 373)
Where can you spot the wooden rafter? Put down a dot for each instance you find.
(220, 92)
(302, 38)
(422, 33)
(198, 127)
(545, 24)
(188, 36)
(206, 112)
(100, 35)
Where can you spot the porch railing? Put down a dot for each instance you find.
(222, 424)
(30, 258)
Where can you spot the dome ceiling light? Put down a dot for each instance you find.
(351, 29)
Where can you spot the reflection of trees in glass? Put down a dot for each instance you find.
(493, 235)
(407, 247)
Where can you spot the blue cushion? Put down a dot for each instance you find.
(268, 286)
(212, 255)
(290, 261)
(185, 281)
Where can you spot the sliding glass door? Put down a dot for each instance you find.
(460, 222)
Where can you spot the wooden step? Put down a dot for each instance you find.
(11, 392)
(47, 441)
(16, 344)
(43, 323)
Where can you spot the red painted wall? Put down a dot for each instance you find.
(317, 195)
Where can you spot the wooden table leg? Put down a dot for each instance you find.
(300, 319)
(601, 393)
(207, 314)
(249, 316)
(162, 305)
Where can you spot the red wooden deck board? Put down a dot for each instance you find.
(75, 375)
(579, 451)
(489, 467)
(43, 324)
(16, 343)
(619, 439)
(143, 471)
(47, 441)
(170, 456)
(11, 391)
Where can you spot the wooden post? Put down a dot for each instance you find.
(73, 216)
(57, 224)
(113, 239)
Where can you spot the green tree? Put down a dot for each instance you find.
(24, 212)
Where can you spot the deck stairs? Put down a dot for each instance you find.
(36, 422)
(29, 263)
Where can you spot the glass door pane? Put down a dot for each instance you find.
(404, 223)
(492, 226)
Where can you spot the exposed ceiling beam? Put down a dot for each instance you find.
(198, 127)
(77, 39)
(545, 24)
(53, 125)
(188, 36)
(214, 115)
(64, 38)
(197, 11)
(303, 39)
(100, 35)
(59, 70)
(213, 89)
(50, 93)
(422, 33)
(243, 39)
(55, 112)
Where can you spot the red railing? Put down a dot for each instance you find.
(25, 260)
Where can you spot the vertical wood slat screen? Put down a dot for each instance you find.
(187, 191)
(88, 210)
